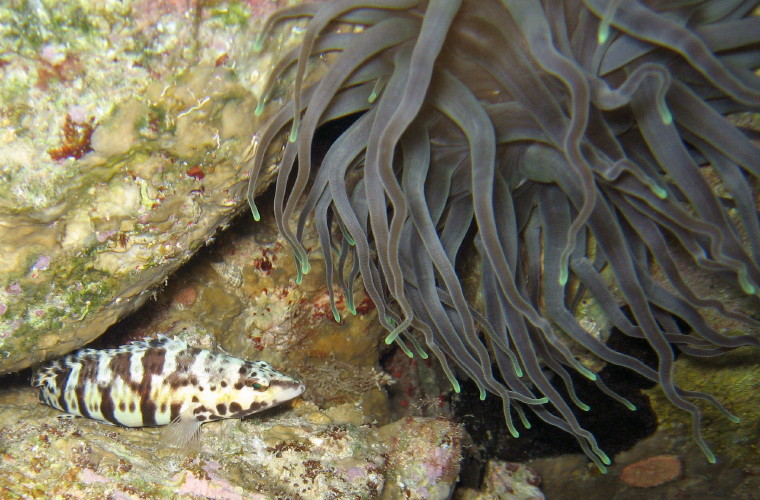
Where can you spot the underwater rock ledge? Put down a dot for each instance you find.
(126, 131)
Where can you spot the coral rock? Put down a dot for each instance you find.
(652, 471)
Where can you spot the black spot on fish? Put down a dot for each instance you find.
(80, 393)
(221, 409)
(119, 366)
(153, 364)
(107, 406)
(184, 361)
(175, 409)
(223, 383)
(235, 407)
(122, 406)
(201, 418)
(238, 385)
(148, 411)
(195, 399)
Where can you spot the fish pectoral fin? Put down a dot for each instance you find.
(184, 431)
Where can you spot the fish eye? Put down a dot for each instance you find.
(255, 385)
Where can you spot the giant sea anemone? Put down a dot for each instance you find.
(574, 147)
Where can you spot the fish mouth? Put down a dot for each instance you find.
(285, 390)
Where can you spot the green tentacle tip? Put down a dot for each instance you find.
(258, 45)
(583, 406)
(394, 333)
(665, 115)
(563, 273)
(336, 314)
(259, 107)
(305, 266)
(601, 468)
(455, 385)
(629, 405)
(604, 32)
(542, 401)
(747, 287)
(482, 394)
(293, 133)
(255, 212)
(708, 453)
(587, 373)
(409, 354)
(513, 431)
(350, 302)
(603, 456)
(733, 418)
(372, 97)
(659, 191)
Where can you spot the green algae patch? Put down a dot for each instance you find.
(735, 380)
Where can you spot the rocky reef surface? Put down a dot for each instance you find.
(125, 128)
(300, 452)
(124, 133)
(336, 441)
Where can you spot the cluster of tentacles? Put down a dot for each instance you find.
(572, 144)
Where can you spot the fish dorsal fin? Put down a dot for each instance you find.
(158, 342)
(183, 432)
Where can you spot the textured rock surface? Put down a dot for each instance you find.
(296, 452)
(239, 295)
(734, 379)
(652, 471)
(125, 130)
(507, 481)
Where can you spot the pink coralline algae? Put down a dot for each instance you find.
(43, 262)
(209, 485)
(89, 476)
(652, 471)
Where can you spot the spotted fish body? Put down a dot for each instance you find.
(161, 381)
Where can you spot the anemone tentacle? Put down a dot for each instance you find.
(577, 148)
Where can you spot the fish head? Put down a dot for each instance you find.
(256, 387)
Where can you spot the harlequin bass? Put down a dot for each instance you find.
(161, 381)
